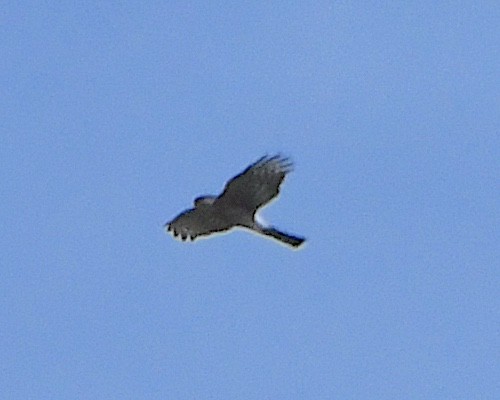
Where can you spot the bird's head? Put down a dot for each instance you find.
(204, 201)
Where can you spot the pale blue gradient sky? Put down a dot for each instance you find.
(113, 118)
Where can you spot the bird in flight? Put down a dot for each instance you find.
(237, 205)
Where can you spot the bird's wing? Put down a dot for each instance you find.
(256, 185)
(196, 222)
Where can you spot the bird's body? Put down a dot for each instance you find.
(243, 195)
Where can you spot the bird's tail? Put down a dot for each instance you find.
(294, 241)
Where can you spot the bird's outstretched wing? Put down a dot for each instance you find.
(196, 222)
(256, 185)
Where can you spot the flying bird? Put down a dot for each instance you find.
(238, 204)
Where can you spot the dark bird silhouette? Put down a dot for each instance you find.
(243, 195)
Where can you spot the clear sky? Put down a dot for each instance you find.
(114, 116)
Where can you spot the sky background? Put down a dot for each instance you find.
(114, 116)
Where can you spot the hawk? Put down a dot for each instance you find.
(241, 198)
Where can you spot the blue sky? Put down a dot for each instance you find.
(115, 116)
